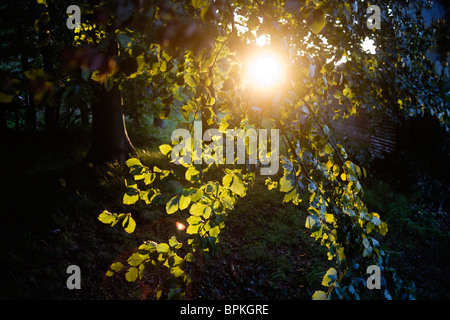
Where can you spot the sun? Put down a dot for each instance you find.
(265, 71)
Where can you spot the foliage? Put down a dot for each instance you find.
(189, 58)
(316, 171)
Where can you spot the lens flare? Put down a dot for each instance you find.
(265, 71)
(180, 226)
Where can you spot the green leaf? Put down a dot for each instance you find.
(125, 41)
(131, 197)
(189, 257)
(318, 21)
(292, 196)
(383, 228)
(108, 217)
(115, 267)
(228, 202)
(163, 248)
(214, 232)
(129, 224)
(387, 294)
(376, 219)
(210, 101)
(165, 149)
(193, 228)
(367, 252)
(341, 255)
(366, 243)
(184, 202)
(163, 66)
(328, 149)
(174, 243)
(330, 277)
(335, 170)
(197, 3)
(337, 95)
(210, 188)
(136, 259)
(175, 186)
(191, 174)
(186, 111)
(319, 295)
(286, 184)
(173, 205)
(131, 274)
(329, 218)
(347, 11)
(164, 113)
(149, 177)
(176, 271)
(227, 179)
(133, 162)
(237, 187)
(189, 80)
(149, 246)
(200, 209)
(312, 222)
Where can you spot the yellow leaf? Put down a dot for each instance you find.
(131, 274)
(330, 277)
(383, 228)
(319, 295)
(318, 22)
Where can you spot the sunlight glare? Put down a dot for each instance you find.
(265, 71)
(262, 40)
(368, 46)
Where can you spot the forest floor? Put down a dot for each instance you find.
(51, 199)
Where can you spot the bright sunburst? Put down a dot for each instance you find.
(265, 71)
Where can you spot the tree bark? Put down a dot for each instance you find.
(3, 124)
(51, 113)
(110, 141)
(30, 107)
(84, 112)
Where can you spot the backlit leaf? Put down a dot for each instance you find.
(189, 80)
(184, 202)
(318, 22)
(238, 186)
(173, 205)
(319, 295)
(131, 274)
(108, 217)
(330, 277)
(165, 149)
(129, 224)
(163, 248)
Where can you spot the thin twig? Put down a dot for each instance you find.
(443, 200)
(323, 131)
(300, 162)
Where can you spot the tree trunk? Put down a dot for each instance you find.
(110, 140)
(51, 113)
(84, 112)
(30, 107)
(3, 124)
